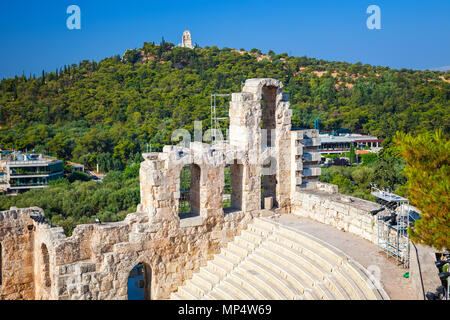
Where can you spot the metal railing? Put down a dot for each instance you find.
(28, 185)
(29, 173)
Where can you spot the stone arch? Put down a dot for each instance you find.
(190, 190)
(270, 102)
(268, 117)
(269, 182)
(268, 137)
(139, 282)
(256, 86)
(233, 186)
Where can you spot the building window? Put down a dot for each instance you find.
(189, 203)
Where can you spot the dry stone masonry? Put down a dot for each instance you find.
(272, 168)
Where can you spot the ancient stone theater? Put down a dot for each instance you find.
(284, 234)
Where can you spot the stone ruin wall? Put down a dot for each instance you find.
(345, 213)
(95, 262)
(259, 148)
(40, 262)
(16, 255)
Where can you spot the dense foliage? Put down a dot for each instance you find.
(106, 112)
(385, 171)
(427, 169)
(69, 204)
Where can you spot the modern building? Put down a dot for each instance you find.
(76, 166)
(25, 172)
(3, 177)
(341, 143)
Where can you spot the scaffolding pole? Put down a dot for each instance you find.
(219, 114)
(392, 226)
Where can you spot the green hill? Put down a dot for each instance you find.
(108, 111)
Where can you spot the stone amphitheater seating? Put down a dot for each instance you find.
(269, 261)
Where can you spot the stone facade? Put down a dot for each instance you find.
(269, 165)
(16, 255)
(345, 213)
(186, 41)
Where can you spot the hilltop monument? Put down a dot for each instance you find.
(187, 40)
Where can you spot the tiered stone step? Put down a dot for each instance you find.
(271, 261)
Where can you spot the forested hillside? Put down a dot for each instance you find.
(106, 112)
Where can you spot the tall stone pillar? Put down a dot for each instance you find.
(260, 124)
(158, 188)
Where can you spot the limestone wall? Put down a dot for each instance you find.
(95, 262)
(40, 262)
(16, 240)
(260, 125)
(340, 211)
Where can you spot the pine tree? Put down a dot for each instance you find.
(427, 169)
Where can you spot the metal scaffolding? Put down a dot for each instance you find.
(219, 117)
(392, 225)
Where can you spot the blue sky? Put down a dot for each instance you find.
(415, 34)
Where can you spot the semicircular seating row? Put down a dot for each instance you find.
(269, 261)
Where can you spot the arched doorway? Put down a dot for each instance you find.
(139, 283)
(268, 129)
(189, 202)
(233, 187)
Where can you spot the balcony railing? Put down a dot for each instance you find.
(29, 173)
(29, 162)
(18, 185)
(313, 142)
(312, 171)
(311, 156)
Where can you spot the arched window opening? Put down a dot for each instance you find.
(139, 283)
(269, 182)
(268, 126)
(232, 197)
(189, 203)
(268, 120)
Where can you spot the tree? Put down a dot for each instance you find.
(427, 170)
(352, 154)
(131, 56)
(345, 184)
(388, 169)
(59, 146)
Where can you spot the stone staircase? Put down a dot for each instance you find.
(269, 261)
